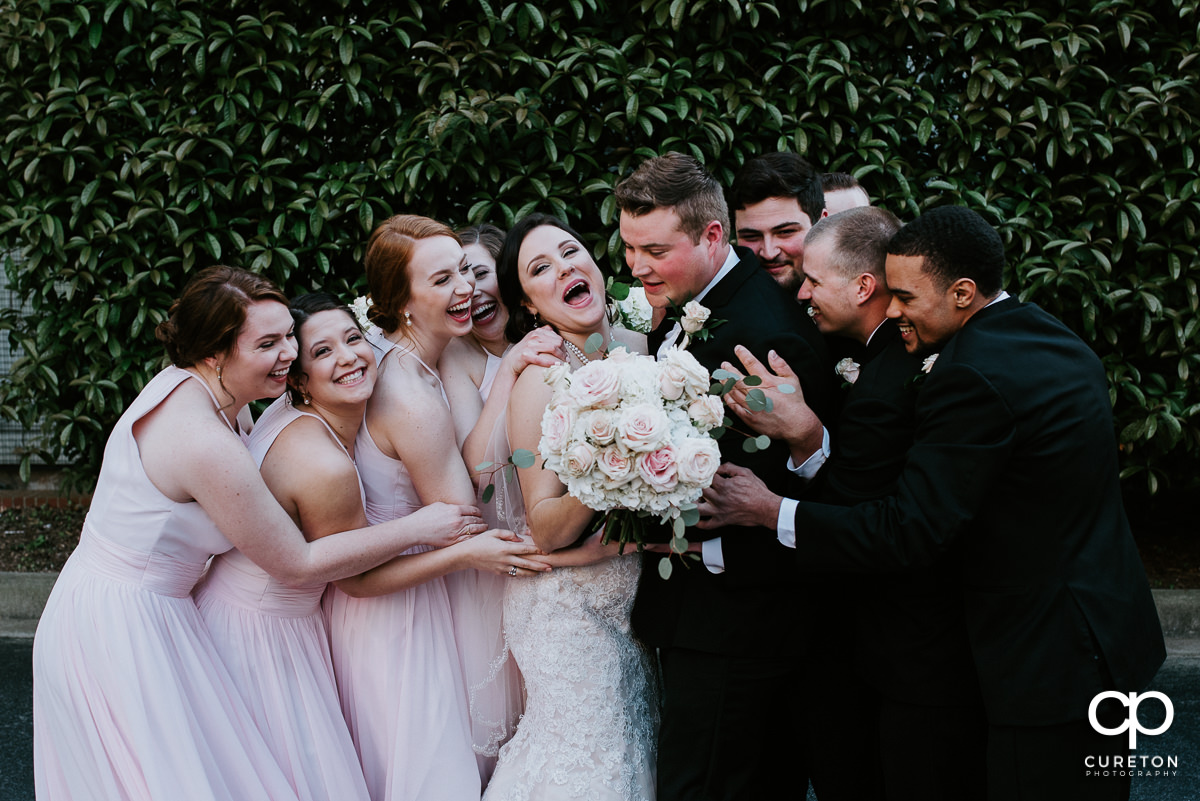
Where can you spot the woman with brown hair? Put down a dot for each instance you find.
(130, 697)
(391, 629)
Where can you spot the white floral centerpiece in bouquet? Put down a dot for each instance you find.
(630, 436)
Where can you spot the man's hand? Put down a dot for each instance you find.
(737, 497)
(790, 418)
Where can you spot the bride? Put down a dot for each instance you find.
(590, 718)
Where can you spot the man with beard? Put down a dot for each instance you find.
(776, 198)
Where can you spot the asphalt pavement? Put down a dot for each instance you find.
(1179, 680)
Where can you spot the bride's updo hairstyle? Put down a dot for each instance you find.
(208, 316)
(302, 308)
(508, 273)
(389, 256)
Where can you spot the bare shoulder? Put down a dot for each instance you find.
(632, 340)
(463, 356)
(306, 461)
(531, 388)
(183, 440)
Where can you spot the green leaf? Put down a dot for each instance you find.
(665, 568)
(488, 492)
(524, 458)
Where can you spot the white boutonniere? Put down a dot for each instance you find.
(926, 366)
(695, 321)
(848, 369)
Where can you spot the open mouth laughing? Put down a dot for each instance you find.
(484, 312)
(460, 312)
(577, 294)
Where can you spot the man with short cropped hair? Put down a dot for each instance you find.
(728, 652)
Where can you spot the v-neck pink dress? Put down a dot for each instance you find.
(396, 664)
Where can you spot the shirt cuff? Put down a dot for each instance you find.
(713, 556)
(785, 526)
(813, 463)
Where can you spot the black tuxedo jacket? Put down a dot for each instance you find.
(910, 637)
(1014, 461)
(726, 613)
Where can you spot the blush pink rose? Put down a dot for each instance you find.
(596, 385)
(641, 428)
(601, 427)
(556, 427)
(697, 460)
(658, 470)
(579, 459)
(707, 411)
(614, 464)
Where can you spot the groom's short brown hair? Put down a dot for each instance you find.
(678, 182)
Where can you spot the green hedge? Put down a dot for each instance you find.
(142, 140)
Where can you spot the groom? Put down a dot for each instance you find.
(731, 713)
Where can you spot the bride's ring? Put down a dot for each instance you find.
(512, 571)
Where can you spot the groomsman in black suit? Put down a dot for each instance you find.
(1014, 464)
(906, 634)
(728, 653)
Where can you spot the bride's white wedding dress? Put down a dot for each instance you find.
(590, 722)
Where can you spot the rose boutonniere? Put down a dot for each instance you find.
(847, 369)
(696, 322)
(926, 366)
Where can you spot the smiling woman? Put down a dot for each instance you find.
(272, 637)
(391, 629)
(121, 653)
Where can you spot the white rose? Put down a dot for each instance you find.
(596, 384)
(579, 459)
(678, 367)
(848, 369)
(694, 317)
(697, 460)
(556, 376)
(600, 426)
(557, 423)
(707, 411)
(927, 365)
(641, 428)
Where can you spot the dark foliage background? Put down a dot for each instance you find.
(143, 140)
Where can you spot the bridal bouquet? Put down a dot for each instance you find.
(629, 436)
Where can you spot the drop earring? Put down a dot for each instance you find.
(408, 319)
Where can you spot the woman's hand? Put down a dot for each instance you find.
(503, 553)
(448, 523)
(588, 552)
(541, 346)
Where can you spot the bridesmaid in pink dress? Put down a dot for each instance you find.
(391, 630)
(273, 637)
(130, 698)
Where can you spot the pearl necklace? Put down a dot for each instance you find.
(576, 352)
